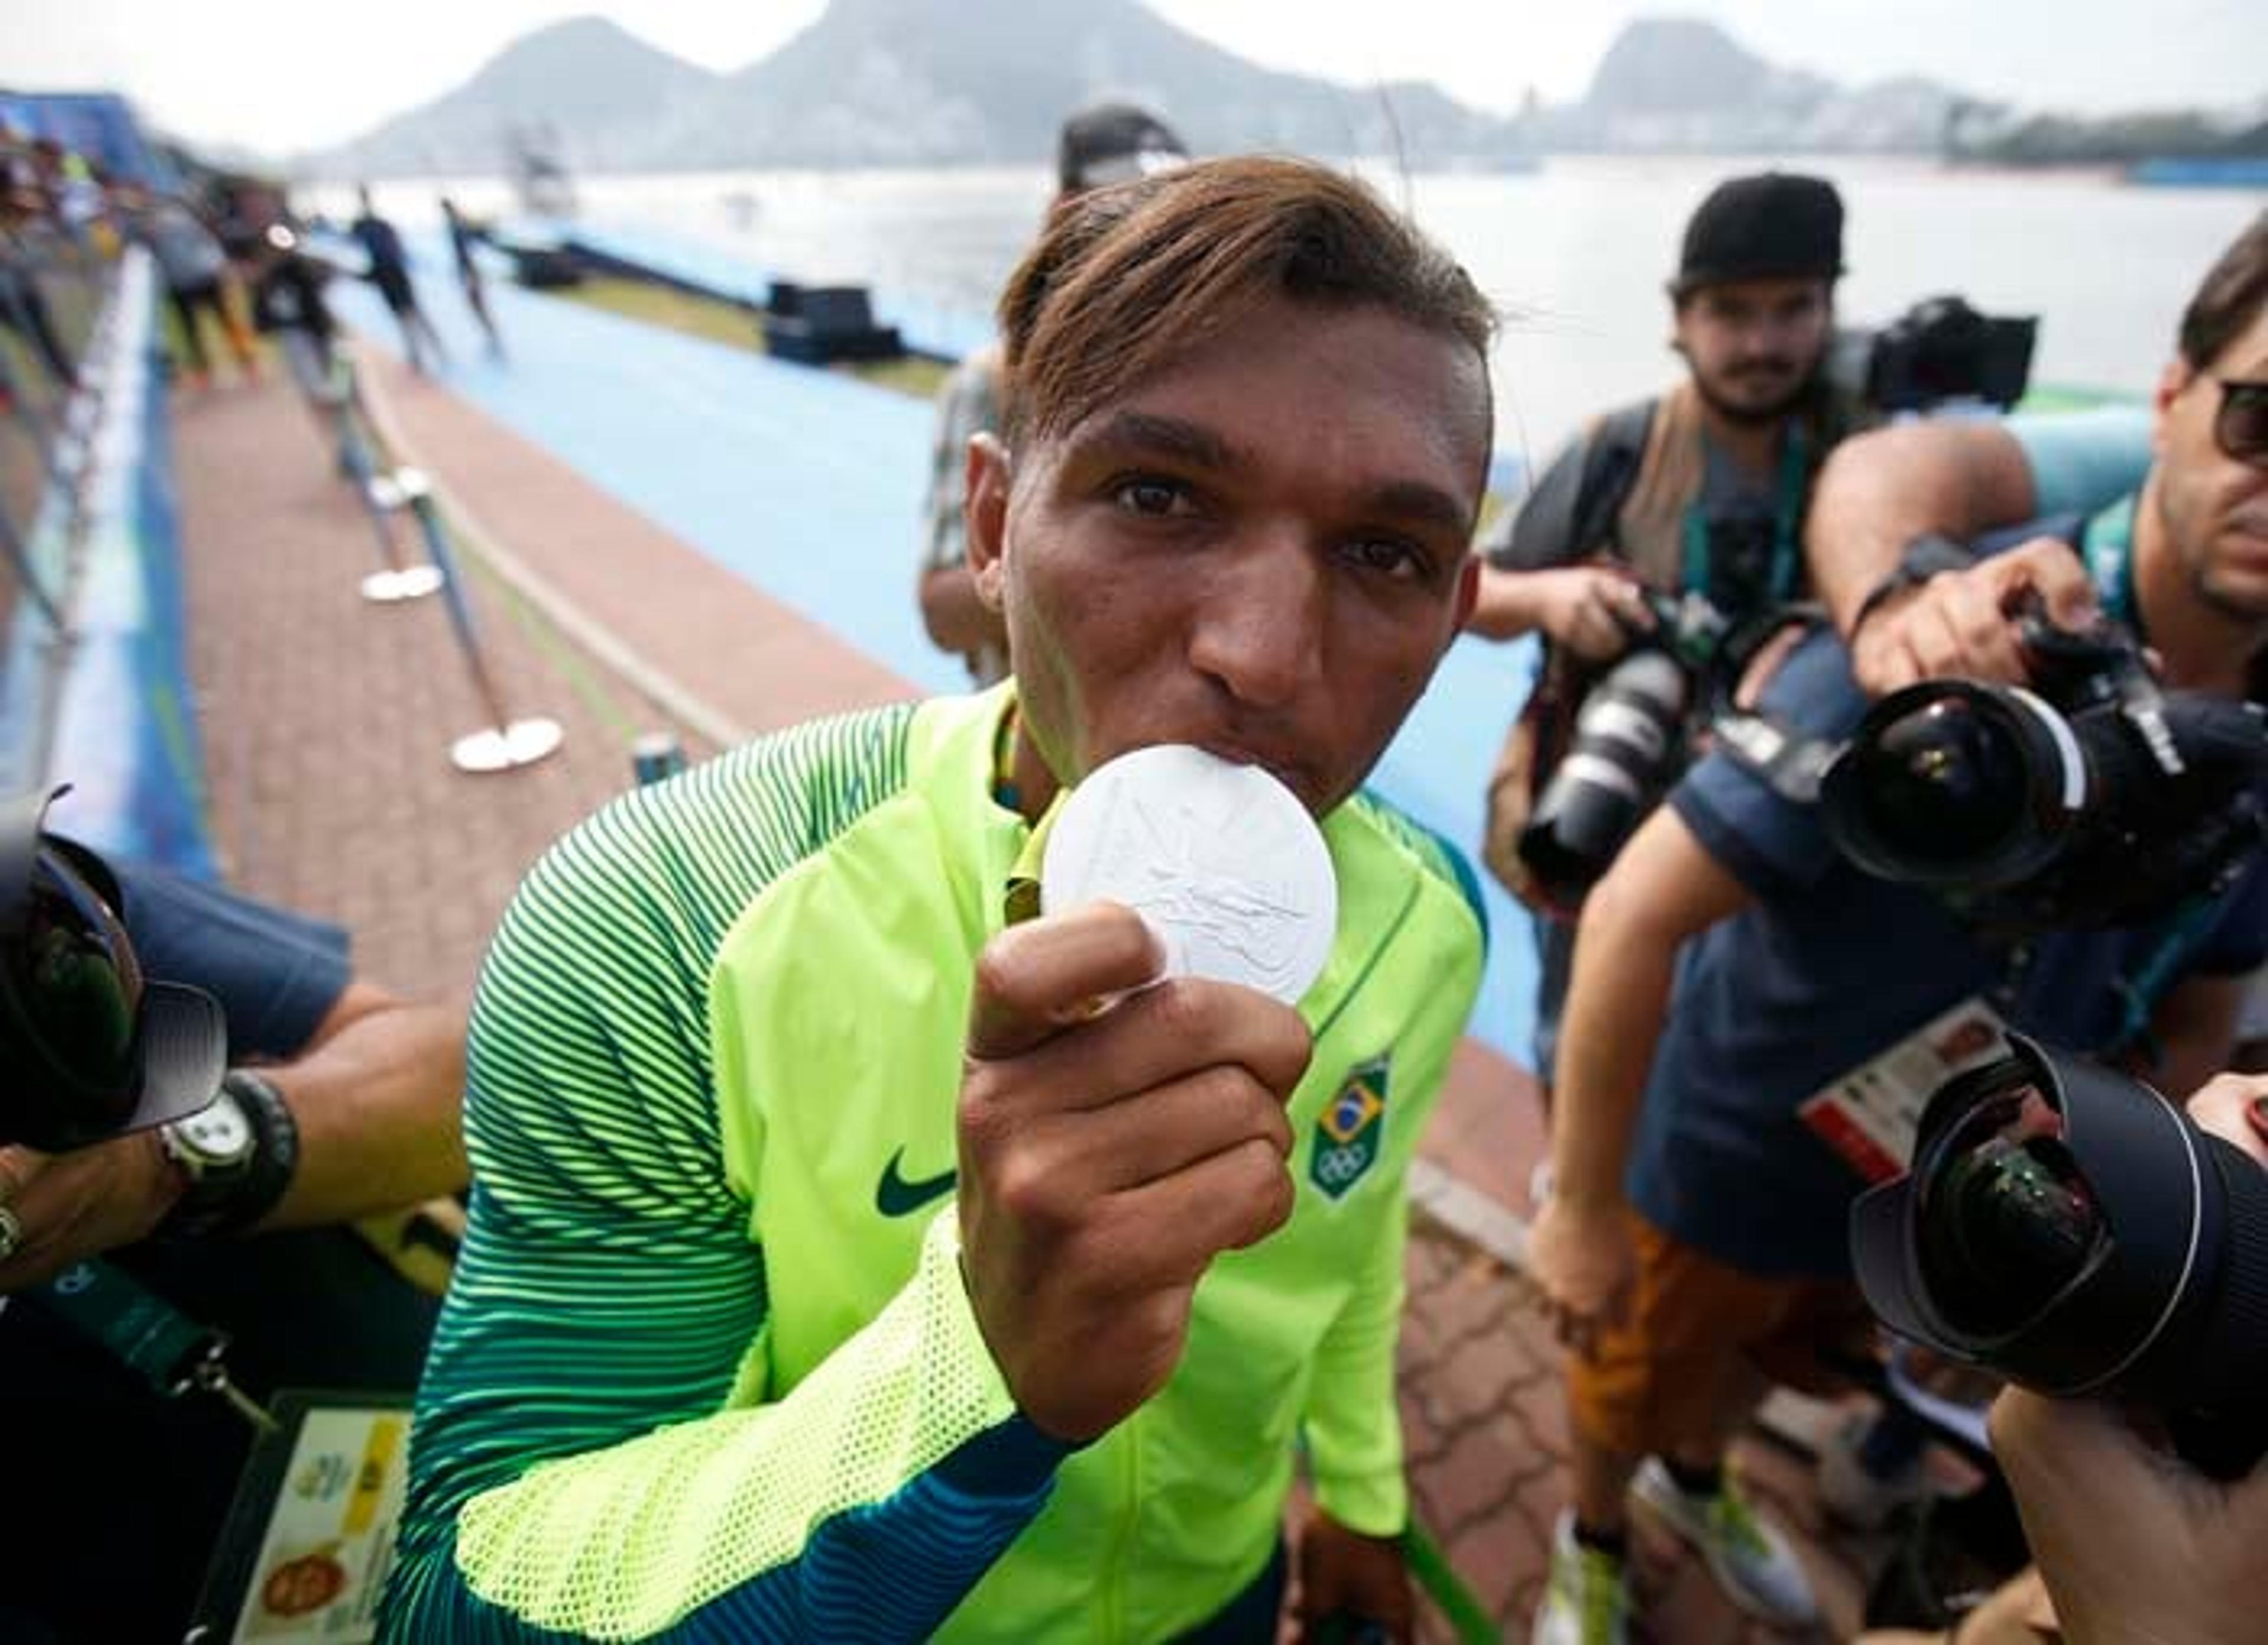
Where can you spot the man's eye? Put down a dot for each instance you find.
(1384, 555)
(1153, 498)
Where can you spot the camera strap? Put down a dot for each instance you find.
(2140, 989)
(1787, 522)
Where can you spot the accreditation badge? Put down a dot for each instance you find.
(1871, 1114)
(1350, 1131)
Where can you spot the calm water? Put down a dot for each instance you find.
(1575, 252)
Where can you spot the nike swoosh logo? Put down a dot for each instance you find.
(895, 1196)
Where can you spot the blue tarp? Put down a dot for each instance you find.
(124, 731)
(99, 125)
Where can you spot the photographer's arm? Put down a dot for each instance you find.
(1880, 490)
(374, 1102)
(377, 1102)
(1592, 610)
(1957, 480)
(1531, 584)
(1665, 887)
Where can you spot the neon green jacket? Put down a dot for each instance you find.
(707, 1369)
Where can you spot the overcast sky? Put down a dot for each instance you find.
(283, 75)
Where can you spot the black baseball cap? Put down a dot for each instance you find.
(1114, 142)
(1774, 225)
(94, 1047)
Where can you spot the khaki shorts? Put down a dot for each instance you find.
(1695, 1334)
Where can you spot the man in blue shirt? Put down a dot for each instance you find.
(1733, 965)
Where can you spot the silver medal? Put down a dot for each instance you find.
(1220, 859)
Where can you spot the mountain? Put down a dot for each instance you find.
(889, 81)
(918, 82)
(1673, 84)
(898, 82)
(609, 99)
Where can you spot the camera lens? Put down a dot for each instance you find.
(1942, 786)
(74, 973)
(2007, 1220)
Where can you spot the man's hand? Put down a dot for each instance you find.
(1347, 1575)
(2135, 1544)
(1115, 1137)
(2235, 1108)
(1968, 624)
(83, 1204)
(1584, 1264)
(1590, 611)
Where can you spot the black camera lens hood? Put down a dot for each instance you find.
(2056, 787)
(2156, 1192)
(180, 1035)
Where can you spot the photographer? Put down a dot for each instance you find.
(1891, 502)
(1800, 980)
(350, 1097)
(1700, 491)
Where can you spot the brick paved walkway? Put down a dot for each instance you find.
(327, 722)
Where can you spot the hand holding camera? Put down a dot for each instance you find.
(2075, 1232)
(1595, 612)
(1968, 622)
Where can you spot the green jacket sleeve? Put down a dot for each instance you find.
(592, 1456)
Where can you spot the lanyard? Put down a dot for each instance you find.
(172, 1353)
(2106, 540)
(1787, 517)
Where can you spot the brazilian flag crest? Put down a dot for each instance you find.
(1350, 1131)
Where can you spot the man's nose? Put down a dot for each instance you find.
(1259, 629)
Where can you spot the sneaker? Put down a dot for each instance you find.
(1750, 1560)
(1850, 1492)
(1586, 1598)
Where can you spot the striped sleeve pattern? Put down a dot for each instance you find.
(586, 1463)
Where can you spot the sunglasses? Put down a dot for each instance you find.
(2240, 428)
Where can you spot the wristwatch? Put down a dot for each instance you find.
(237, 1155)
(1923, 559)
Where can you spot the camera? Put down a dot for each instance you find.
(1627, 746)
(2073, 1231)
(1939, 351)
(92, 1046)
(2095, 799)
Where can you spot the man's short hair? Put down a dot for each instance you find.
(1128, 280)
(2229, 298)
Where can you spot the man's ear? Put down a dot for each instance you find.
(2177, 377)
(985, 515)
(1468, 590)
